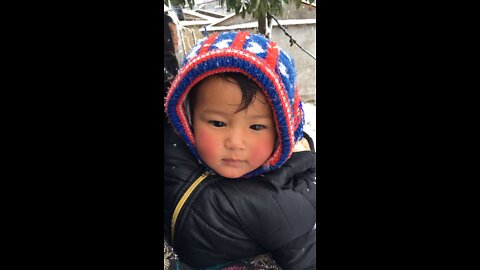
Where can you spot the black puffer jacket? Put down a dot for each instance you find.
(229, 219)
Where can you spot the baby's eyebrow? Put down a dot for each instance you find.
(223, 113)
(209, 110)
(213, 111)
(260, 116)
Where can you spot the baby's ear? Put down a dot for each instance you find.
(302, 145)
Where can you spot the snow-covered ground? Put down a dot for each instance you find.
(310, 126)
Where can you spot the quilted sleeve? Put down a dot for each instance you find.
(279, 212)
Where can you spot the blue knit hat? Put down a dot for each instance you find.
(263, 62)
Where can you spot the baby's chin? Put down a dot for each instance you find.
(232, 174)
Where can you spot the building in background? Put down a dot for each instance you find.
(208, 17)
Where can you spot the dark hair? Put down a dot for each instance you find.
(170, 63)
(167, 34)
(248, 87)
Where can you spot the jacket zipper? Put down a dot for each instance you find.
(184, 198)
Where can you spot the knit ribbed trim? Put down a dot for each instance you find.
(263, 62)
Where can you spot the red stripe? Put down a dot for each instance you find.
(239, 40)
(272, 55)
(296, 103)
(183, 120)
(208, 43)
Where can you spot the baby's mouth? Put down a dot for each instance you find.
(233, 162)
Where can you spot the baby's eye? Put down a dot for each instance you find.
(257, 127)
(217, 123)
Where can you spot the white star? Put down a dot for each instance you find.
(193, 52)
(254, 48)
(283, 69)
(223, 44)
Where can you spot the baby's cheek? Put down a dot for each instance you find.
(263, 150)
(206, 144)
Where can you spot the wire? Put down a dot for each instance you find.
(292, 41)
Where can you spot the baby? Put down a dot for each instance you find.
(234, 187)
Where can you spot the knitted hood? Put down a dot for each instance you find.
(262, 61)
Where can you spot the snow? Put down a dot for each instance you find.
(310, 126)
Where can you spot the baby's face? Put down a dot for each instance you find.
(231, 143)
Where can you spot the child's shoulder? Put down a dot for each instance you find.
(261, 194)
